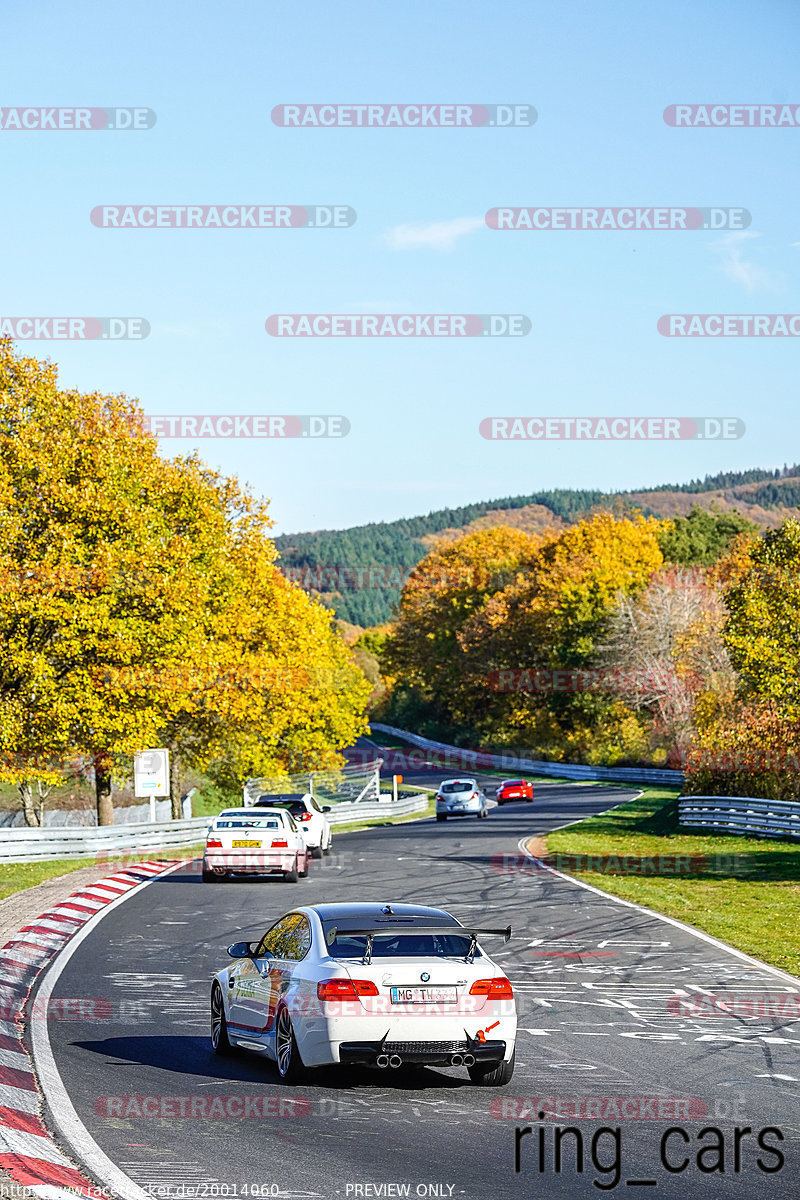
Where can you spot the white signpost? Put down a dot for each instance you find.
(151, 776)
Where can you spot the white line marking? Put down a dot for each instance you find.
(63, 1113)
(650, 912)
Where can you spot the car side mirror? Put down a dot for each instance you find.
(241, 950)
(326, 808)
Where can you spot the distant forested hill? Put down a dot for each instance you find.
(360, 571)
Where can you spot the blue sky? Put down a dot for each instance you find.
(599, 76)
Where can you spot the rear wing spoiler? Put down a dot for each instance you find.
(373, 931)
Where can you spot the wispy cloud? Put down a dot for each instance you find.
(435, 235)
(730, 248)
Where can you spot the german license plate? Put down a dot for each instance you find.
(424, 995)
(245, 843)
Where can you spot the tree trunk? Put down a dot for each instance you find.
(175, 784)
(102, 786)
(28, 807)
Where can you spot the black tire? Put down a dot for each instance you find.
(316, 852)
(288, 1061)
(441, 816)
(293, 875)
(220, 1042)
(500, 803)
(327, 849)
(485, 1075)
(210, 877)
(304, 871)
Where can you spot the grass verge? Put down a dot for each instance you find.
(745, 891)
(16, 877)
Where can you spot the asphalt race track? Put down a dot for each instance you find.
(592, 978)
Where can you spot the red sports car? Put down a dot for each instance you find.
(514, 789)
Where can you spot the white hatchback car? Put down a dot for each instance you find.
(371, 984)
(250, 841)
(460, 798)
(309, 815)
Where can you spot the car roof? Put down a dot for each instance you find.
(247, 812)
(508, 782)
(465, 779)
(283, 796)
(375, 911)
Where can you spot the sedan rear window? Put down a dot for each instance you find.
(447, 788)
(292, 806)
(247, 823)
(401, 945)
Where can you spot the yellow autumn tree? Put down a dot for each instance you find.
(141, 601)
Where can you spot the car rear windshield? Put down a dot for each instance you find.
(292, 806)
(446, 788)
(248, 823)
(401, 945)
(514, 783)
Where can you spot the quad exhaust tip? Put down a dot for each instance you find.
(382, 1060)
(468, 1060)
(457, 1060)
(395, 1061)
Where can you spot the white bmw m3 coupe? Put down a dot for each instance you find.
(381, 985)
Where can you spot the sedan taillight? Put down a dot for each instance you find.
(280, 844)
(213, 844)
(345, 989)
(495, 989)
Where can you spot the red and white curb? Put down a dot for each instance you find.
(28, 1153)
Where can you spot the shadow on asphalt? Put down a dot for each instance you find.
(193, 1056)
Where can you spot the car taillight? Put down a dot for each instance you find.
(345, 989)
(281, 843)
(305, 817)
(213, 844)
(495, 989)
(474, 795)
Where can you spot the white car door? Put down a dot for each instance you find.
(260, 981)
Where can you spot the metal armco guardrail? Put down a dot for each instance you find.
(474, 760)
(39, 845)
(35, 845)
(372, 810)
(741, 814)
